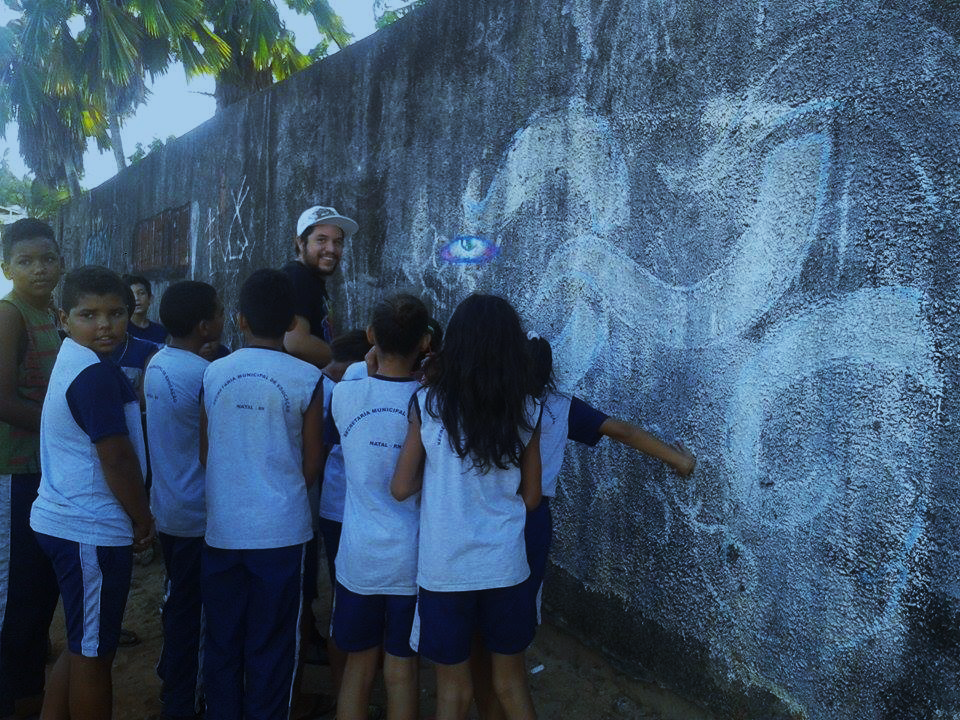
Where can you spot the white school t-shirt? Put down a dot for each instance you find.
(256, 497)
(74, 501)
(378, 545)
(553, 439)
(471, 524)
(171, 385)
(334, 478)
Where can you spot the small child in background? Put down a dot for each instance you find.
(348, 350)
(91, 511)
(193, 315)
(132, 356)
(134, 352)
(472, 451)
(214, 350)
(376, 564)
(140, 325)
(261, 441)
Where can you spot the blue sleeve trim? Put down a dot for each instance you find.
(414, 407)
(96, 398)
(583, 422)
(331, 435)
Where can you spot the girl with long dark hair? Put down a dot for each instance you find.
(472, 450)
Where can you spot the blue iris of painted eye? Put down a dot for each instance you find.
(469, 249)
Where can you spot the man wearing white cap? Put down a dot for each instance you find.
(321, 235)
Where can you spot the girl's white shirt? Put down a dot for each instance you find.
(471, 523)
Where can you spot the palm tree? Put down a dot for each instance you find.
(54, 114)
(262, 49)
(63, 88)
(123, 42)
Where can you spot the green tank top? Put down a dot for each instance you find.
(19, 448)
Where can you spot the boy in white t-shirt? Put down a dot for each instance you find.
(261, 425)
(91, 511)
(349, 349)
(376, 564)
(192, 315)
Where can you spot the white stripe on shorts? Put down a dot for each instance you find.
(6, 506)
(296, 644)
(92, 588)
(415, 628)
(540, 604)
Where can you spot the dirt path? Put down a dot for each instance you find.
(569, 680)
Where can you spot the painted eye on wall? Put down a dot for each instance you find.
(469, 249)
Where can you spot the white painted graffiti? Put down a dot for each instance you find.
(227, 242)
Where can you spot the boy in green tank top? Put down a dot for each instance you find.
(29, 342)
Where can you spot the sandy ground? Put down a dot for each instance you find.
(568, 679)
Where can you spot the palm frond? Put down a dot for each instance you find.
(119, 37)
(329, 23)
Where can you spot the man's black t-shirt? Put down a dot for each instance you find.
(310, 298)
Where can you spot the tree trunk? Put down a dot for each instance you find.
(116, 142)
(73, 178)
(228, 93)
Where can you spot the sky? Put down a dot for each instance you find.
(176, 105)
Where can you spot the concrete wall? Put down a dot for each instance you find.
(739, 228)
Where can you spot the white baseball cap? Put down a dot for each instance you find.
(320, 214)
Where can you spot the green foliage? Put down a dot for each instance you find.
(140, 152)
(32, 196)
(71, 70)
(385, 15)
(262, 47)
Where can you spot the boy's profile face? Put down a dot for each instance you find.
(142, 299)
(98, 322)
(34, 268)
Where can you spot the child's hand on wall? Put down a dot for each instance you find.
(687, 463)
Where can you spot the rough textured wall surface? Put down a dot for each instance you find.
(738, 227)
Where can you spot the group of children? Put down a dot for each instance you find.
(437, 460)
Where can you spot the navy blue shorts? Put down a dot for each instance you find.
(448, 621)
(361, 622)
(537, 534)
(94, 582)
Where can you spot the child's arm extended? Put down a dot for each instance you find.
(14, 410)
(121, 469)
(313, 454)
(531, 474)
(408, 475)
(639, 439)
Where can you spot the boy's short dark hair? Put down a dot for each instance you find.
(436, 334)
(184, 304)
(138, 280)
(350, 346)
(25, 229)
(129, 300)
(399, 323)
(91, 280)
(266, 301)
